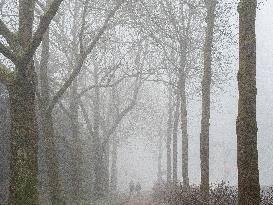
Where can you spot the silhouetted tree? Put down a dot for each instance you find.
(247, 154)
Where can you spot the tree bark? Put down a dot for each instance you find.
(159, 157)
(115, 140)
(206, 84)
(24, 139)
(169, 137)
(76, 154)
(55, 186)
(97, 147)
(182, 76)
(98, 169)
(24, 131)
(184, 127)
(246, 127)
(5, 144)
(114, 169)
(55, 183)
(76, 150)
(159, 160)
(175, 132)
(106, 163)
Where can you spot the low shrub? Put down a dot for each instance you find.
(220, 194)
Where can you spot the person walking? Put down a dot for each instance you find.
(138, 188)
(131, 187)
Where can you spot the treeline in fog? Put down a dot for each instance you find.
(133, 102)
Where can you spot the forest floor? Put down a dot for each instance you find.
(141, 199)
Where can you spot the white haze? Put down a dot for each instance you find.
(138, 158)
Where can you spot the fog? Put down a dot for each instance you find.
(94, 95)
(138, 162)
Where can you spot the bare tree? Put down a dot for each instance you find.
(172, 32)
(21, 84)
(76, 61)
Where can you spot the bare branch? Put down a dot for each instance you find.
(163, 81)
(6, 33)
(41, 5)
(66, 85)
(6, 76)
(82, 58)
(7, 53)
(63, 108)
(43, 26)
(103, 28)
(83, 24)
(108, 85)
(122, 114)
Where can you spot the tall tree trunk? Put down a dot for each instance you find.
(169, 137)
(106, 163)
(97, 147)
(184, 127)
(91, 136)
(114, 168)
(76, 151)
(106, 149)
(5, 144)
(159, 159)
(55, 186)
(206, 84)
(24, 132)
(247, 154)
(115, 140)
(182, 76)
(55, 183)
(175, 132)
(24, 135)
(74, 111)
(98, 169)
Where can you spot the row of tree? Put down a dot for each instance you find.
(78, 73)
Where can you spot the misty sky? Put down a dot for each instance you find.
(138, 156)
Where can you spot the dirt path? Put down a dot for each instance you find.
(142, 199)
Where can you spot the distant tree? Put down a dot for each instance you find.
(159, 156)
(246, 127)
(76, 56)
(76, 151)
(47, 130)
(102, 128)
(175, 133)
(21, 84)
(116, 103)
(169, 135)
(172, 30)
